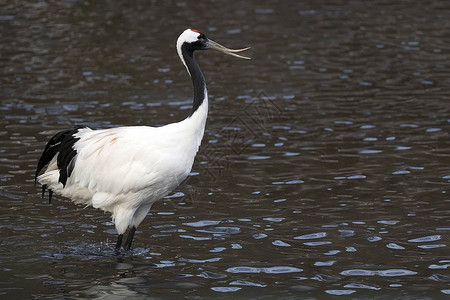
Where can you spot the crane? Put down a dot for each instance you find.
(124, 170)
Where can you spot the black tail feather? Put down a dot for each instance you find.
(61, 144)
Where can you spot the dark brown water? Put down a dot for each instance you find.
(324, 171)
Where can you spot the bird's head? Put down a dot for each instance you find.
(192, 39)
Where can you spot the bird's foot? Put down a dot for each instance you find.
(127, 245)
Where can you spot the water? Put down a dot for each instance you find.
(323, 171)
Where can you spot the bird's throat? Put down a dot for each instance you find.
(198, 81)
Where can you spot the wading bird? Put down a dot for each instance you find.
(125, 170)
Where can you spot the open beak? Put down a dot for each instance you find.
(215, 46)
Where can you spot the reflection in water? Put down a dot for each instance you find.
(322, 172)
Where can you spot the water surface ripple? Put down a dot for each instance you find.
(323, 170)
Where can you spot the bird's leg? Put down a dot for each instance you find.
(44, 187)
(119, 243)
(127, 245)
(50, 194)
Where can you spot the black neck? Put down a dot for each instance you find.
(198, 81)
